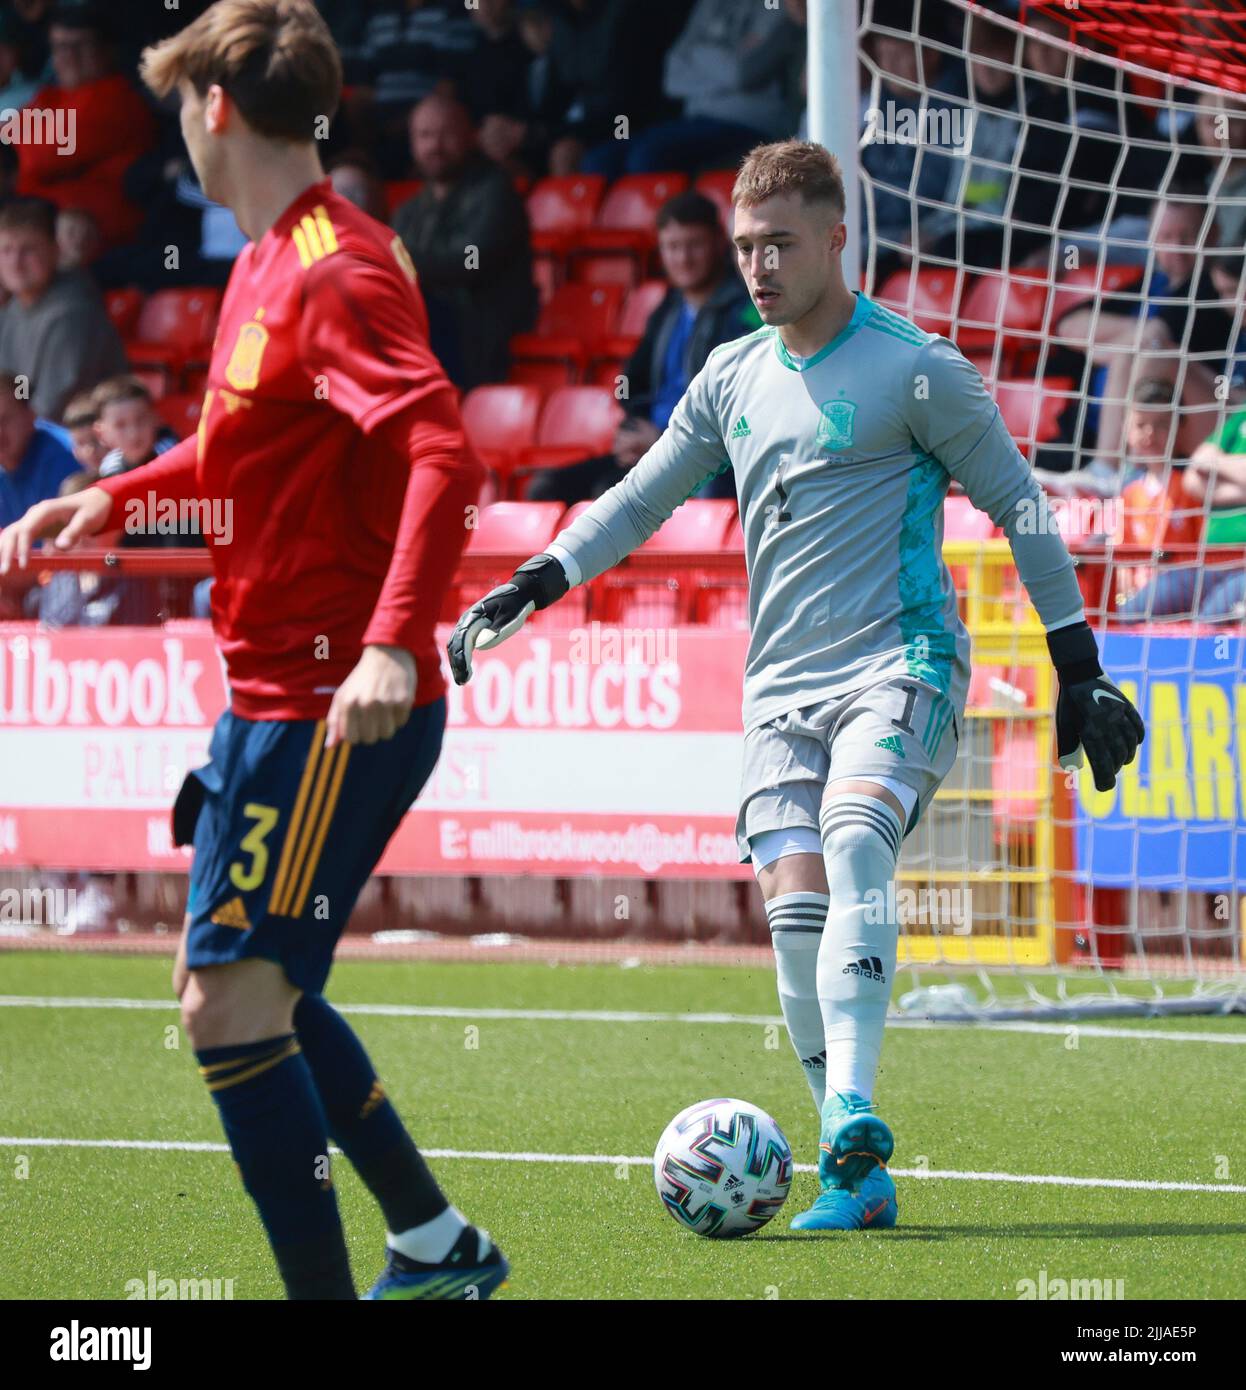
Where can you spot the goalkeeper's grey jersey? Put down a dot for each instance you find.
(842, 462)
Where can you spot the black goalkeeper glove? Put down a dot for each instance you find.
(503, 611)
(1091, 713)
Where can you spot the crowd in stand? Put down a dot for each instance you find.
(474, 106)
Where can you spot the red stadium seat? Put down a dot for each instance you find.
(634, 318)
(181, 413)
(572, 326)
(1032, 409)
(501, 423)
(560, 207)
(577, 422)
(1079, 287)
(927, 297)
(1009, 306)
(716, 185)
(702, 523)
(515, 528)
(124, 307)
(175, 329)
(624, 235)
(962, 521)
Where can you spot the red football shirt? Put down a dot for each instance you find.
(331, 452)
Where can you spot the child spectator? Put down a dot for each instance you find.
(129, 429)
(80, 418)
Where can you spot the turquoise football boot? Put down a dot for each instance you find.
(473, 1270)
(857, 1191)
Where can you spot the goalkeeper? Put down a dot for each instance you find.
(845, 425)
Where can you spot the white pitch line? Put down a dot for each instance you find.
(498, 1156)
(1088, 1030)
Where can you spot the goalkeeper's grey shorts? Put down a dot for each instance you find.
(902, 730)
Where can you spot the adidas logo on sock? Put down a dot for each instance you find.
(869, 969)
(891, 742)
(817, 1063)
(741, 430)
(232, 914)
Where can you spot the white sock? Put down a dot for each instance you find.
(796, 922)
(857, 959)
(433, 1240)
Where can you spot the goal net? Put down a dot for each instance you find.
(1060, 188)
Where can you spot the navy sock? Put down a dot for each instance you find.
(362, 1122)
(276, 1128)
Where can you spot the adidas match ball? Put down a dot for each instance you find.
(722, 1168)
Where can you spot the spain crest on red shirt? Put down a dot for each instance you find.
(243, 369)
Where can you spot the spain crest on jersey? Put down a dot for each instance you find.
(835, 428)
(243, 371)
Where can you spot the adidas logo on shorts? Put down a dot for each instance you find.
(892, 744)
(870, 968)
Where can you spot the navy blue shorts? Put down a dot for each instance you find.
(286, 834)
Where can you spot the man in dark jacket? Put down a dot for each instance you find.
(707, 304)
(467, 232)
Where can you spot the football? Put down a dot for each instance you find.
(722, 1168)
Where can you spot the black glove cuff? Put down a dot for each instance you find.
(1074, 653)
(544, 580)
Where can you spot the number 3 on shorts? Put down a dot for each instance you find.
(245, 878)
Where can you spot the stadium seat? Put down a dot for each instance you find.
(716, 185)
(515, 528)
(124, 307)
(1032, 409)
(1086, 283)
(651, 598)
(181, 412)
(1009, 306)
(559, 208)
(501, 422)
(928, 297)
(398, 191)
(637, 308)
(572, 326)
(577, 422)
(962, 521)
(616, 249)
(175, 329)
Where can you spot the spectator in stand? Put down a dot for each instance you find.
(78, 241)
(467, 233)
(1179, 328)
(732, 70)
(402, 52)
(354, 175)
(494, 86)
(706, 304)
(607, 57)
(129, 428)
(906, 175)
(81, 416)
(55, 331)
(34, 460)
(1221, 127)
(111, 125)
(1215, 482)
(16, 88)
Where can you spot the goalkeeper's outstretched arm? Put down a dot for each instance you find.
(690, 450)
(957, 422)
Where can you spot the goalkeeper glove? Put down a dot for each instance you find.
(1091, 713)
(503, 611)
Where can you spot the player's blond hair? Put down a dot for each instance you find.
(790, 166)
(275, 59)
